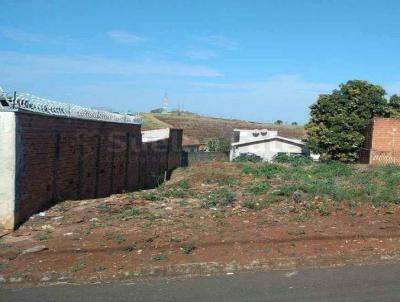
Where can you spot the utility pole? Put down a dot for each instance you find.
(165, 103)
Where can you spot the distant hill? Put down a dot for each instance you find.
(203, 128)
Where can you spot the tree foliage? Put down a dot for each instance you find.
(220, 144)
(393, 109)
(338, 120)
(157, 110)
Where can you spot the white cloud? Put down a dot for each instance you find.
(221, 42)
(285, 97)
(124, 37)
(42, 65)
(21, 36)
(281, 84)
(201, 54)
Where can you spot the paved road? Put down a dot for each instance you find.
(367, 283)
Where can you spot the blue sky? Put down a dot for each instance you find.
(255, 60)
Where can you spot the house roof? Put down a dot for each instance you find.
(187, 141)
(279, 138)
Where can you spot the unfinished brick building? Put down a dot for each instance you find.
(382, 143)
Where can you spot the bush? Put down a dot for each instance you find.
(219, 145)
(251, 157)
(293, 159)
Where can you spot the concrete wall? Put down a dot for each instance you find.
(60, 158)
(7, 168)
(153, 135)
(382, 142)
(251, 135)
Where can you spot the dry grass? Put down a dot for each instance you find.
(204, 128)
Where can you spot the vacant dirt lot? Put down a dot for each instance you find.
(214, 217)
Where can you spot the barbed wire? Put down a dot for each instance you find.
(29, 102)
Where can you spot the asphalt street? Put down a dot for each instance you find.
(351, 283)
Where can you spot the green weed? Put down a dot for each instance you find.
(188, 248)
(221, 197)
(159, 258)
(130, 213)
(43, 237)
(266, 170)
(98, 269)
(250, 204)
(259, 188)
(78, 266)
(323, 209)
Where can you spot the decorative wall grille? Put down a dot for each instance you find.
(385, 157)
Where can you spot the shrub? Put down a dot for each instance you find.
(251, 157)
(220, 144)
(293, 159)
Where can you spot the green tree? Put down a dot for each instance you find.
(338, 120)
(157, 110)
(278, 122)
(219, 145)
(393, 108)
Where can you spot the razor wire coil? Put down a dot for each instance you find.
(29, 102)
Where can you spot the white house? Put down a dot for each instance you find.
(264, 143)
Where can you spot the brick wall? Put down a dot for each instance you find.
(61, 158)
(382, 144)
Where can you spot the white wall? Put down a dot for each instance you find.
(266, 150)
(7, 168)
(251, 135)
(155, 135)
